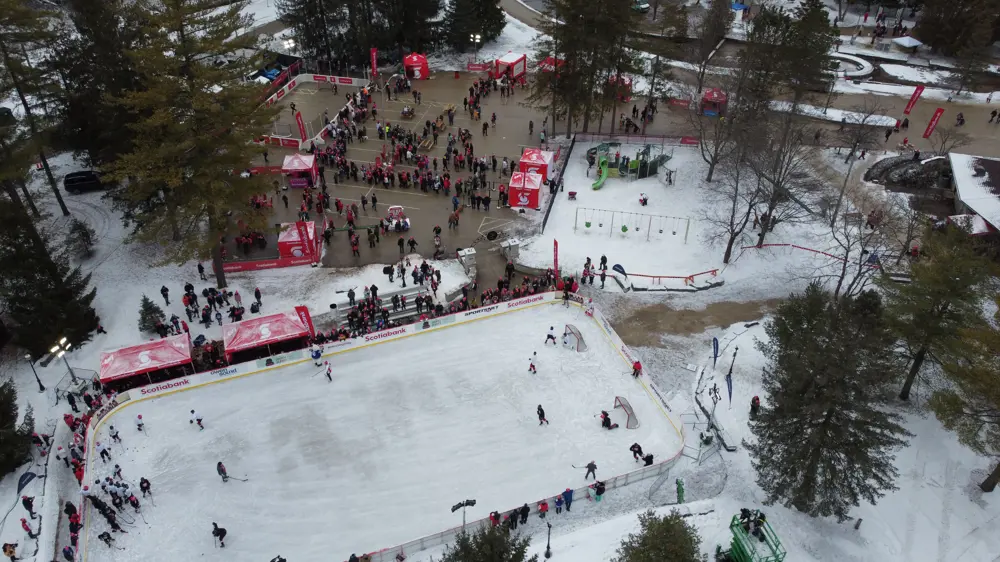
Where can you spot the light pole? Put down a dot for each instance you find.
(41, 387)
(476, 40)
(548, 542)
(462, 505)
(60, 349)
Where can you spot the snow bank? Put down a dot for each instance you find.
(834, 114)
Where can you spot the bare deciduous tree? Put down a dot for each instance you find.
(730, 204)
(946, 139)
(859, 131)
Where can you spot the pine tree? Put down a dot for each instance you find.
(315, 27)
(489, 544)
(150, 314)
(409, 24)
(80, 239)
(973, 56)
(180, 186)
(824, 440)
(944, 25)
(971, 408)
(948, 283)
(26, 74)
(661, 537)
(813, 37)
(464, 18)
(15, 434)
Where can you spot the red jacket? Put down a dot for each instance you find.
(543, 507)
(637, 366)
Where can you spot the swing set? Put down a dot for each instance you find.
(630, 224)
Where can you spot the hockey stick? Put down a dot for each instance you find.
(240, 479)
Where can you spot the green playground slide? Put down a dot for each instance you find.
(602, 166)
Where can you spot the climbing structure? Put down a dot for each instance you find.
(760, 546)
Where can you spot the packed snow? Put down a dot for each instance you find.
(917, 74)
(834, 114)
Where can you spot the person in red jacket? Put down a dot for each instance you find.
(636, 369)
(575, 286)
(543, 508)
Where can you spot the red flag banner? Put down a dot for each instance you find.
(306, 319)
(913, 99)
(555, 256)
(374, 64)
(934, 122)
(301, 124)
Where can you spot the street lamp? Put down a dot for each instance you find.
(59, 350)
(462, 505)
(476, 40)
(41, 387)
(548, 542)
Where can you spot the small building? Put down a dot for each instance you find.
(976, 180)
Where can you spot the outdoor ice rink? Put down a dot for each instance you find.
(378, 457)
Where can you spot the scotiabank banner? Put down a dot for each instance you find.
(164, 386)
(254, 265)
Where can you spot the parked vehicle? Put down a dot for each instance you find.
(86, 180)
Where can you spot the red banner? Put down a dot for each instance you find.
(934, 122)
(555, 256)
(913, 99)
(374, 63)
(271, 263)
(301, 124)
(306, 319)
(303, 236)
(477, 66)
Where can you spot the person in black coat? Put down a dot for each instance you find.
(525, 511)
(219, 533)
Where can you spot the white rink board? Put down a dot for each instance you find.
(408, 428)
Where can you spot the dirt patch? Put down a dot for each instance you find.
(644, 326)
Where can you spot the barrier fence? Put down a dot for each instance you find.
(688, 279)
(662, 140)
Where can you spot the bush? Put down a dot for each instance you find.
(489, 544)
(661, 538)
(80, 239)
(15, 438)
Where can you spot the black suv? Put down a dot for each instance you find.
(87, 180)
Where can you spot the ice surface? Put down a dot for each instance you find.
(378, 457)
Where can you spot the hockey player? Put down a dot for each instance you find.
(648, 459)
(317, 353)
(134, 502)
(196, 418)
(541, 416)
(106, 538)
(636, 369)
(145, 486)
(591, 470)
(114, 434)
(29, 505)
(552, 336)
(118, 472)
(139, 424)
(636, 451)
(606, 421)
(218, 532)
(27, 529)
(221, 469)
(531, 362)
(590, 304)
(329, 371)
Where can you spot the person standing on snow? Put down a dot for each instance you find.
(552, 336)
(531, 362)
(256, 295)
(591, 471)
(196, 418)
(221, 469)
(219, 533)
(166, 294)
(541, 415)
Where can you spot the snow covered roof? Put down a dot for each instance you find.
(977, 184)
(298, 162)
(511, 57)
(262, 330)
(907, 41)
(145, 357)
(974, 224)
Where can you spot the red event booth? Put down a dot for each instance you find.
(517, 64)
(524, 190)
(264, 336)
(302, 170)
(416, 67)
(537, 161)
(298, 240)
(713, 102)
(160, 360)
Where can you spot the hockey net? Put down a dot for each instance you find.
(631, 422)
(573, 339)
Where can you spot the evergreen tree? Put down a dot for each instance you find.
(489, 544)
(971, 408)
(26, 75)
(150, 314)
(973, 56)
(660, 538)
(80, 239)
(410, 25)
(315, 26)
(180, 186)
(15, 434)
(710, 30)
(824, 440)
(948, 283)
(45, 298)
(471, 17)
(945, 25)
(813, 37)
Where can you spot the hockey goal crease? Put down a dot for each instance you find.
(631, 422)
(573, 339)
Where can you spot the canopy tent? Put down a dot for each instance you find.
(415, 67)
(145, 357)
(537, 161)
(262, 331)
(713, 102)
(524, 190)
(515, 66)
(621, 86)
(549, 64)
(297, 239)
(302, 170)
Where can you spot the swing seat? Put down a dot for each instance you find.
(572, 196)
(624, 228)
(587, 224)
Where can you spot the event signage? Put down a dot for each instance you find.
(302, 125)
(524, 301)
(155, 389)
(933, 123)
(913, 99)
(280, 359)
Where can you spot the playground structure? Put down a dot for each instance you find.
(762, 545)
(631, 225)
(646, 163)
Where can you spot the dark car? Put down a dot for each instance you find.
(87, 180)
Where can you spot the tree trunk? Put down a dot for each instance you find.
(28, 198)
(711, 168)
(840, 196)
(52, 183)
(992, 480)
(40, 248)
(918, 361)
(729, 250)
(220, 273)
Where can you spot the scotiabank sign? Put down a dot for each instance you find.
(524, 301)
(165, 386)
(385, 334)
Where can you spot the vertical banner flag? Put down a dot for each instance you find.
(715, 351)
(913, 99)
(300, 226)
(306, 319)
(729, 385)
(934, 121)
(301, 124)
(555, 256)
(374, 64)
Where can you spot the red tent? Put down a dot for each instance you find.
(416, 67)
(262, 331)
(514, 64)
(538, 161)
(549, 64)
(297, 239)
(145, 357)
(524, 190)
(713, 102)
(302, 170)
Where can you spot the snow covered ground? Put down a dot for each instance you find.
(379, 456)
(517, 37)
(939, 94)
(917, 74)
(834, 114)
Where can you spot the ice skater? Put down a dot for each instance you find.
(221, 469)
(552, 336)
(218, 532)
(114, 434)
(541, 416)
(106, 538)
(531, 362)
(102, 450)
(636, 369)
(591, 470)
(145, 486)
(329, 371)
(117, 472)
(317, 353)
(139, 424)
(636, 451)
(606, 421)
(196, 418)
(29, 505)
